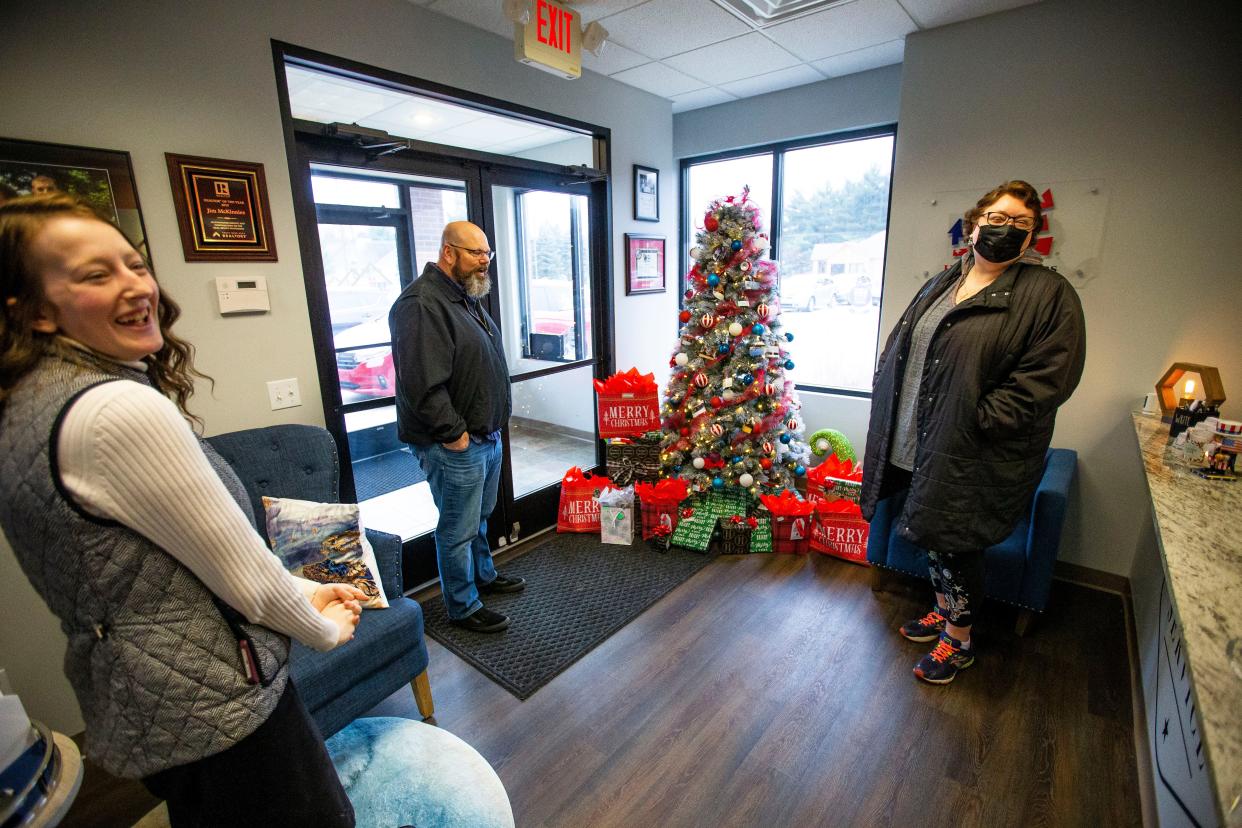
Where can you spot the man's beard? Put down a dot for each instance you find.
(478, 283)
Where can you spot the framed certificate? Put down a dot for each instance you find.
(644, 264)
(646, 193)
(222, 209)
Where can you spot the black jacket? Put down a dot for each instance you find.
(997, 368)
(450, 364)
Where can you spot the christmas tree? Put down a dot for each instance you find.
(730, 413)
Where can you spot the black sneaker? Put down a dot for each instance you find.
(502, 583)
(927, 628)
(482, 620)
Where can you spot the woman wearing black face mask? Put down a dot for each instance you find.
(962, 410)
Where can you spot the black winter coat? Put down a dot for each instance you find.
(997, 368)
(450, 365)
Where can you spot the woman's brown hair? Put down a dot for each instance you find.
(171, 369)
(1017, 188)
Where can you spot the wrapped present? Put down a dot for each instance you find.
(659, 504)
(697, 524)
(616, 515)
(735, 534)
(835, 479)
(660, 537)
(629, 404)
(839, 530)
(761, 537)
(791, 521)
(579, 511)
(633, 461)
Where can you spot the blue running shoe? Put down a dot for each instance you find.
(941, 665)
(927, 628)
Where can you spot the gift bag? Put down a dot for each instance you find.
(634, 461)
(659, 504)
(616, 515)
(629, 404)
(835, 479)
(839, 530)
(579, 511)
(791, 522)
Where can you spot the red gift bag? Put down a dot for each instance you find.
(835, 479)
(579, 510)
(659, 502)
(839, 530)
(792, 522)
(629, 404)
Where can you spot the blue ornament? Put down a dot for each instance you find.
(799, 470)
(789, 337)
(758, 328)
(713, 280)
(737, 245)
(717, 483)
(786, 437)
(788, 364)
(722, 348)
(676, 469)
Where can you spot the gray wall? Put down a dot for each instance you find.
(198, 79)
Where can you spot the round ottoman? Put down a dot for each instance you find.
(402, 772)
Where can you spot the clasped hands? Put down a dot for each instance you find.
(342, 605)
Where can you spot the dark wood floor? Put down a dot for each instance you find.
(773, 691)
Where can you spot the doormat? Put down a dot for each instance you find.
(386, 473)
(578, 592)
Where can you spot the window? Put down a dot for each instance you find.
(553, 275)
(828, 236)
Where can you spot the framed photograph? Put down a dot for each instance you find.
(646, 193)
(222, 209)
(104, 178)
(644, 264)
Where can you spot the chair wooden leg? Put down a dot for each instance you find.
(422, 695)
(881, 580)
(1025, 618)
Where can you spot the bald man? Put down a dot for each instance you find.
(452, 402)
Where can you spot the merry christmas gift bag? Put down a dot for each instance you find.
(839, 530)
(659, 504)
(579, 511)
(629, 405)
(791, 522)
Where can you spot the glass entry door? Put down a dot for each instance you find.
(378, 223)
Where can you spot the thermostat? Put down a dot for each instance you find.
(242, 295)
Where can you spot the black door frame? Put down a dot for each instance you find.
(310, 143)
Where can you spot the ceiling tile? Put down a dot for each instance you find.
(615, 58)
(931, 13)
(595, 9)
(873, 57)
(658, 79)
(843, 29)
(329, 100)
(741, 57)
(700, 98)
(482, 14)
(662, 28)
(771, 82)
(419, 117)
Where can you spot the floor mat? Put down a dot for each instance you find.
(386, 473)
(578, 592)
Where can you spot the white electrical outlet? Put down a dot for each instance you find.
(284, 393)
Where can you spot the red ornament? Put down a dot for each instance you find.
(689, 294)
(716, 402)
(710, 224)
(765, 463)
(793, 425)
(707, 321)
(762, 310)
(684, 316)
(700, 379)
(767, 447)
(685, 431)
(717, 429)
(769, 389)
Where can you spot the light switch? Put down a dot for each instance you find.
(284, 393)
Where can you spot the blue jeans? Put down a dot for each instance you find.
(463, 486)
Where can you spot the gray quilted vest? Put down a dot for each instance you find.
(155, 667)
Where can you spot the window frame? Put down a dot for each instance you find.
(777, 150)
(576, 276)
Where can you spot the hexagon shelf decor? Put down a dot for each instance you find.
(1166, 388)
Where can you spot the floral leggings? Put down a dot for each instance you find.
(958, 576)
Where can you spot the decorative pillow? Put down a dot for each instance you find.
(324, 542)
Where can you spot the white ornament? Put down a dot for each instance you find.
(735, 329)
(699, 463)
(746, 480)
(681, 359)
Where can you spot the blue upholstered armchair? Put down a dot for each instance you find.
(1019, 568)
(388, 650)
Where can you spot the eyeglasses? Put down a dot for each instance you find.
(1001, 219)
(488, 254)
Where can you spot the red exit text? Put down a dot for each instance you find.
(553, 26)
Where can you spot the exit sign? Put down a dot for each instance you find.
(552, 40)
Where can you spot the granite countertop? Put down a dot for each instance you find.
(1201, 543)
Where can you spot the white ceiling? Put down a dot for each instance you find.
(699, 53)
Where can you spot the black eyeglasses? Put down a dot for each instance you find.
(1001, 219)
(490, 254)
